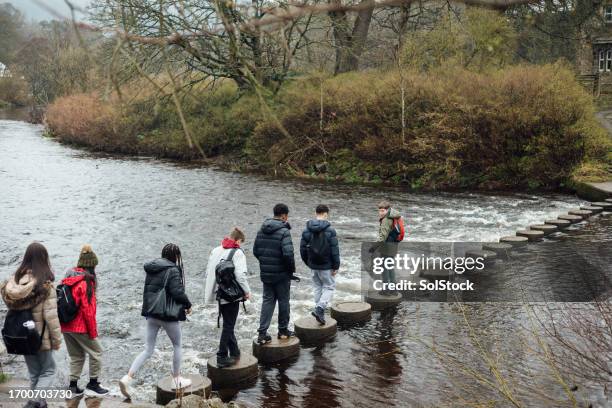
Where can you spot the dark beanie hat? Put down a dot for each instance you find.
(87, 258)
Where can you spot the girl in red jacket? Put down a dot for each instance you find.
(81, 333)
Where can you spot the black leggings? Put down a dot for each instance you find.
(228, 343)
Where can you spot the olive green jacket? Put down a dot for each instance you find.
(386, 224)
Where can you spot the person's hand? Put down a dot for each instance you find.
(247, 296)
(188, 311)
(334, 272)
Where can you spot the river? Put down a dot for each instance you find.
(128, 208)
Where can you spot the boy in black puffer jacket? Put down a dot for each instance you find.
(273, 249)
(319, 250)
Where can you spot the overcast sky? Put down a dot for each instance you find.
(33, 10)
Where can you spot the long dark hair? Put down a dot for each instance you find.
(90, 280)
(36, 260)
(172, 253)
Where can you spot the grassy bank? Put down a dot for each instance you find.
(520, 127)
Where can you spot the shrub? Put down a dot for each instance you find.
(13, 91)
(524, 126)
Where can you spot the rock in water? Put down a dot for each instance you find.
(196, 401)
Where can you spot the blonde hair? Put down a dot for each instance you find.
(237, 234)
(384, 204)
(86, 249)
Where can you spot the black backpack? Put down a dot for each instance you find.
(319, 249)
(67, 308)
(228, 288)
(18, 339)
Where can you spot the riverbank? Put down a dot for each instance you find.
(524, 127)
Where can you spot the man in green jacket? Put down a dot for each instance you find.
(387, 238)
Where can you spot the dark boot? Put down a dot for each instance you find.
(285, 334)
(319, 314)
(93, 389)
(224, 362)
(74, 389)
(263, 338)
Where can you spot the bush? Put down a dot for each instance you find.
(13, 91)
(519, 127)
(524, 126)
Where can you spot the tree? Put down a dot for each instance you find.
(210, 37)
(11, 22)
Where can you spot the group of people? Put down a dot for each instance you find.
(165, 302)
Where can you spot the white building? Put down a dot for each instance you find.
(4, 71)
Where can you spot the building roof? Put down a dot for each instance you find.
(602, 40)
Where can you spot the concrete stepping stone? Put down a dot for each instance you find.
(608, 200)
(311, 332)
(382, 302)
(561, 224)
(532, 235)
(488, 256)
(200, 385)
(594, 209)
(571, 218)
(514, 240)
(545, 228)
(603, 204)
(347, 313)
(242, 372)
(502, 249)
(276, 350)
(581, 213)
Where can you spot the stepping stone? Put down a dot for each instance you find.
(240, 373)
(436, 274)
(571, 218)
(608, 200)
(561, 224)
(581, 213)
(311, 332)
(514, 240)
(594, 209)
(603, 204)
(545, 228)
(351, 312)
(199, 386)
(500, 248)
(532, 236)
(276, 350)
(382, 302)
(488, 256)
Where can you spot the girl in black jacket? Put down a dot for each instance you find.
(165, 273)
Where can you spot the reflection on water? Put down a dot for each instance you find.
(128, 208)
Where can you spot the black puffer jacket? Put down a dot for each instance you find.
(313, 227)
(273, 249)
(154, 282)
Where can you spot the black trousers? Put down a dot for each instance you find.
(228, 343)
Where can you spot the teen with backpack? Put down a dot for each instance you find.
(227, 284)
(319, 250)
(391, 231)
(32, 328)
(273, 249)
(164, 305)
(77, 313)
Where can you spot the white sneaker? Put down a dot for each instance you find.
(180, 382)
(124, 385)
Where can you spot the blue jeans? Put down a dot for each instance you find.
(324, 285)
(273, 292)
(41, 368)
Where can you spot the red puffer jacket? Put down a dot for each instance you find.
(85, 321)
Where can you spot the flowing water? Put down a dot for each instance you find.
(128, 208)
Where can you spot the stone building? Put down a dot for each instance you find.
(594, 60)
